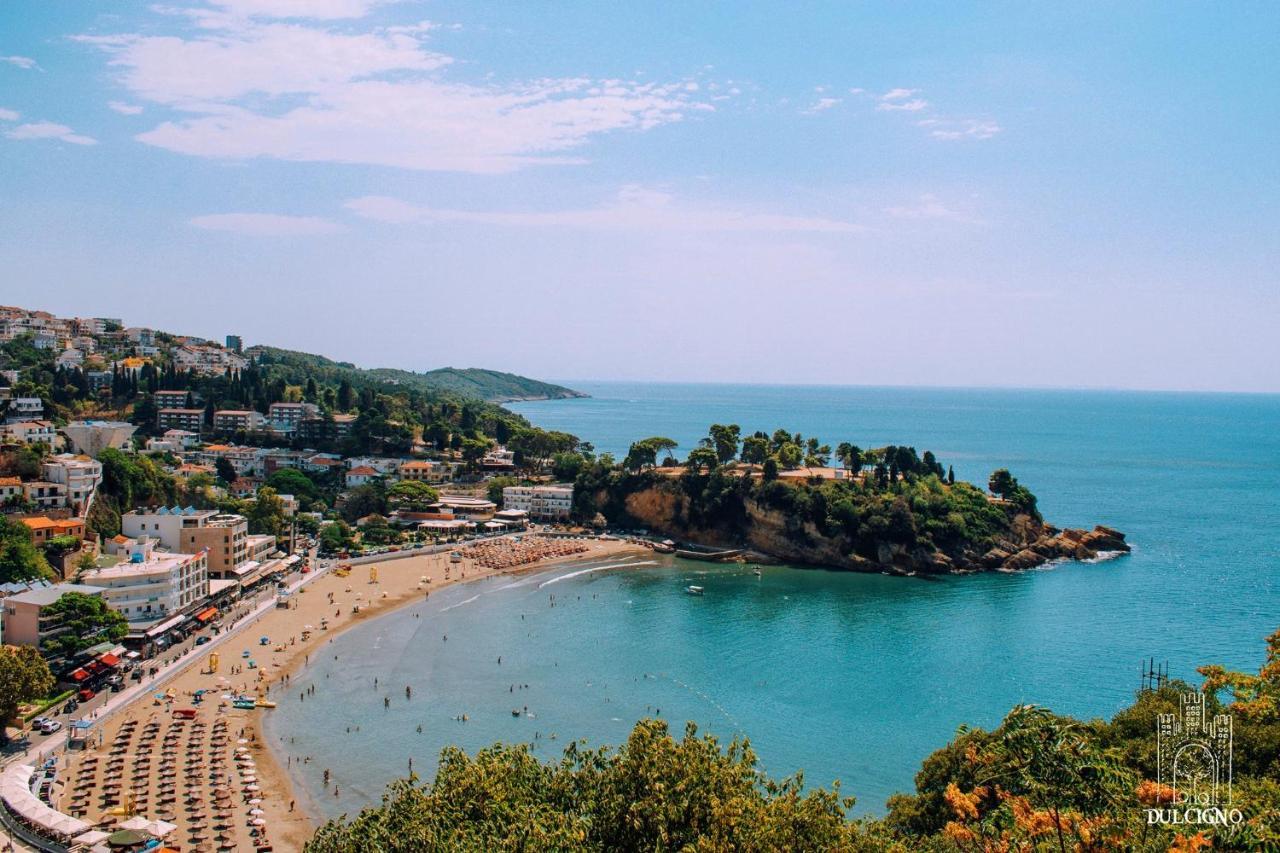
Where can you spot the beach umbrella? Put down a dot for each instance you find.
(256, 812)
(252, 787)
(257, 821)
(251, 778)
(255, 801)
(126, 838)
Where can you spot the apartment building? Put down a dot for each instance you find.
(30, 432)
(426, 471)
(150, 585)
(545, 503)
(44, 495)
(227, 421)
(285, 417)
(27, 621)
(79, 474)
(224, 536)
(190, 420)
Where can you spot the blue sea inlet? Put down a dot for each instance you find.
(846, 676)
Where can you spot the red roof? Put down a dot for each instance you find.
(110, 659)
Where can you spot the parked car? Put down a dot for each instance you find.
(39, 721)
(48, 727)
(202, 639)
(85, 694)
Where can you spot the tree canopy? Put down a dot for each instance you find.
(24, 676)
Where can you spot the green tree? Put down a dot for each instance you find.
(20, 560)
(335, 536)
(652, 793)
(291, 481)
(700, 458)
(266, 514)
(86, 620)
(226, 471)
(24, 677)
(755, 449)
(790, 455)
(411, 496)
(493, 489)
(724, 441)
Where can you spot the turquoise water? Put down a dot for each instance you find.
(850, 677)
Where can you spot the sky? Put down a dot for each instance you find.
(985, 194)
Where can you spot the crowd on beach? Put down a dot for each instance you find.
(194, 772)
(510, 553)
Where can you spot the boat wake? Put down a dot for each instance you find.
(591, 569)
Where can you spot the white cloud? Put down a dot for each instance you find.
(49, 130)
(901, 99)
(266, 224)
(8, 115)
(289, 91)
(967, 128)
(124, 109)
(24, 62)
(899, 94)
(820, 105)
(317, 9)
(931, 207)
(913, 105)
(635, 209)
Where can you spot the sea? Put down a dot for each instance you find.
(845, 677)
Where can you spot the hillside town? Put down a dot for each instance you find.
(140, 505)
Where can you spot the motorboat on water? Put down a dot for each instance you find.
(694, 590)
(756, 571)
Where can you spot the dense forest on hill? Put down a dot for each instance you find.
(491, 385)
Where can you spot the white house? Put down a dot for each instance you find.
(360, 476)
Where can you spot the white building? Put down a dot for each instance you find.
(149, 586)
(548, 503)
(30, 432)
(426, 471)
(24, 409)
(93, 437)
(360, 476)
(285, 417)
(44, 495)
(382, 464)
(79, 474)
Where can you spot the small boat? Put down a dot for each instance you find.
(694, 590)
(756, 571)
(515, 712)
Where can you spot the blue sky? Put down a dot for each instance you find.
(937, 194)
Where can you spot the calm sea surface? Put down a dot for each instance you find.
(849, 677)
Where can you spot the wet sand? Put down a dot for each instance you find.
(209, 745)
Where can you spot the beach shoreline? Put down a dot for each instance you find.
(376, 589)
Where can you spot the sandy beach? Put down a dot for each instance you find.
(214, 775)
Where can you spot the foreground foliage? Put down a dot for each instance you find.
(1039, 782)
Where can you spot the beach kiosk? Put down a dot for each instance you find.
(81, 735)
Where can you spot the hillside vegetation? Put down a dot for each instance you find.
(491, 385)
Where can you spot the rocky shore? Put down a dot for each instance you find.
(771, 535)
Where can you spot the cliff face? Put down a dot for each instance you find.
(1025, 544)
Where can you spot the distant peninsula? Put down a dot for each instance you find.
(492, 386)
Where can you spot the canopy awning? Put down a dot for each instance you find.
(167, 625)
(206, 614)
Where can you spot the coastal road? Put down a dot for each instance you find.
(103, 706)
